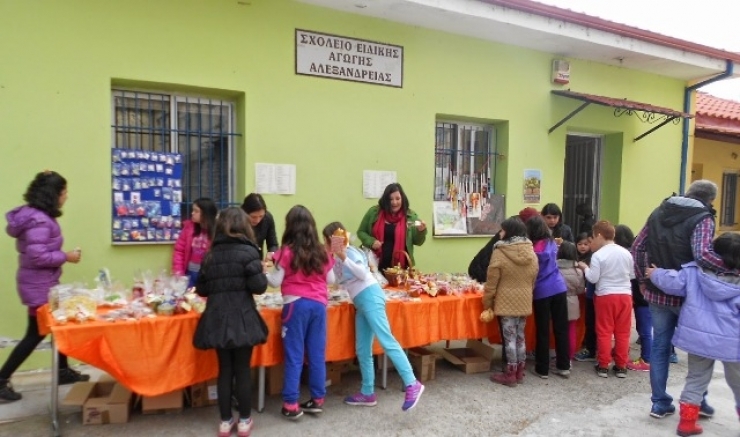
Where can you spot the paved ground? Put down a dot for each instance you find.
(454, 404)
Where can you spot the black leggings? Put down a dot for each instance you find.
(24, 349)
(234, 364)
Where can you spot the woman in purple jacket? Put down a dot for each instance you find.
(708, 326)
(40, 258)
(550, 303)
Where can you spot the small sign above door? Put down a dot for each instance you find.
(338, 57)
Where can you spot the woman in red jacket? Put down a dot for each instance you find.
(195, 239)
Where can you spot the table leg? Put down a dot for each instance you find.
(261, 389)
(384, 378)
(55, 431)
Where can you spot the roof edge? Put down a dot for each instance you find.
(615, 28)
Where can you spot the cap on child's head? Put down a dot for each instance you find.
(727, 246)
(527, 213)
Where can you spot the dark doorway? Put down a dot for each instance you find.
(582, 177)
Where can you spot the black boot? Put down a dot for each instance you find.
(70, 376)
(7, 394)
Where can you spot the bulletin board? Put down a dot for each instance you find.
(146, 197)
(475, 214)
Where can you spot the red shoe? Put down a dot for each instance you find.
(507, 378)
(639, 365)
(687, 425)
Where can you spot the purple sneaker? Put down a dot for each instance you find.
(361, 400)
(413, 393)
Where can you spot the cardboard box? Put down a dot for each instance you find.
(203, 393)
(424, 363)
(105, 401)
(163, 404)
(273, 379)
(334, 371)
(475, 357)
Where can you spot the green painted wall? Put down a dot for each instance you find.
(60, 60)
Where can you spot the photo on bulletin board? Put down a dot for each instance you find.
(492, 212)
(146, 197)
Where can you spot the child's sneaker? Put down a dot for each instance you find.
(361, 400)
(619, 372)
(673, 358)
(7, 394)
(313, 406)
(413, 393)
(244, 427)
(224, 429)
(71, 376)
(639, 365)
(659, 411)
(291, 411)
(584, 355)
(602, 371)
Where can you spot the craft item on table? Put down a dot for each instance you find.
(338, 296)
(72, 302)
(269, 300)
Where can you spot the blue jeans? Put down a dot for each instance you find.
(644, 322)
(371, 321)
(304, 332)
(665, 319)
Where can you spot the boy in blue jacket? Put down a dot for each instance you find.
(708, 326)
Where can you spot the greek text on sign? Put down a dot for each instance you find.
(338, 57)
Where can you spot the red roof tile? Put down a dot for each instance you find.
(709, 105)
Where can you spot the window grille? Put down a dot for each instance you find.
(201, 129)
(465, 200)
(463, 156)
(729, 199)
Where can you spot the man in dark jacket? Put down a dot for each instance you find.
(678, 231)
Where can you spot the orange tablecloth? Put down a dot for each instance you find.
(155, 356)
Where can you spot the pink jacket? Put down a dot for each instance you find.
(183, 246)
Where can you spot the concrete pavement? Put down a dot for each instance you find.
(453, 404)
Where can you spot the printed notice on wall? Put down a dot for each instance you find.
(274, 178)
(338, 57)
(374, 182)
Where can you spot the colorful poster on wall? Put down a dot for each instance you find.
(448, 220)
(147, 196)
(492, 214)
(532, 185)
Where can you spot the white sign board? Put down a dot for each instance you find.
(338, 57)
(274, 178)
(374, 182)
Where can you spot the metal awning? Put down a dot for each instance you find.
(646, 112)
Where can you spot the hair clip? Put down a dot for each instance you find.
(47, 171)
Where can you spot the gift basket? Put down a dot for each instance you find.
(398, 276)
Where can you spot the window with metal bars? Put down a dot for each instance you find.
(199, 128)
(463, 157)
(729, 199)
(465, 167)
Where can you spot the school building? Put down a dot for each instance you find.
(322, 102)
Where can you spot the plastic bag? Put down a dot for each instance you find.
(372, 262)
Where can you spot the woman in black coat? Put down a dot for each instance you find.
(230, 275)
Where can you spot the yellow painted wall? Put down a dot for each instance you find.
(60, 59)
(712, 159)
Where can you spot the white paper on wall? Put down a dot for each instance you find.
(274, 178)
(374, 182)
